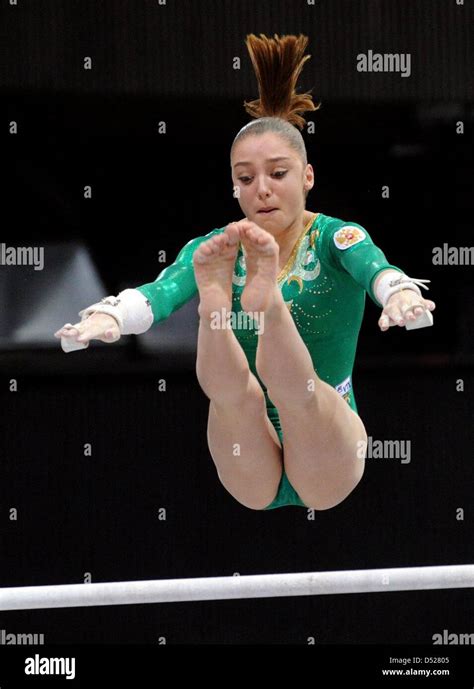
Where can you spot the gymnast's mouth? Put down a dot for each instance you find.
(267, 210)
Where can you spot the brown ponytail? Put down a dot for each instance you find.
(278, 63)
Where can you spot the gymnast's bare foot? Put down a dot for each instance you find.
(214, 262)
(261, 293)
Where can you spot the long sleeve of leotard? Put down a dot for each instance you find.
(175, 285)
(352, 249)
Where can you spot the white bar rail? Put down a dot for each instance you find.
(234, 587)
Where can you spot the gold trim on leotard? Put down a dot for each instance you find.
(288, 265)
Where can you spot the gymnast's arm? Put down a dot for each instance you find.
(134, 310)
(353, 250)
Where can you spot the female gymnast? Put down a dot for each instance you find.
(283, 426)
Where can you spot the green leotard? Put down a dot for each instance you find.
(332, 266)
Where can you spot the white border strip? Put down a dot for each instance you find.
(222, 588)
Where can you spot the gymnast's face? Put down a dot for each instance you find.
(270, 174)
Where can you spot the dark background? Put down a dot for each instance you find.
(154, 192)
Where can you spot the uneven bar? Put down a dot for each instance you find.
(234, 587)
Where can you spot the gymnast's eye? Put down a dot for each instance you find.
(279, 175)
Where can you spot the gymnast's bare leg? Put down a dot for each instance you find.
(322, 435)
(242, 441)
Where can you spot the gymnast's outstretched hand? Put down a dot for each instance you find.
(98, 326)
(404, 307)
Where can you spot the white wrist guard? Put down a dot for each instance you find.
(130, 308)
(396, 282)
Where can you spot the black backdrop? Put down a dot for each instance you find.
(98, 514)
